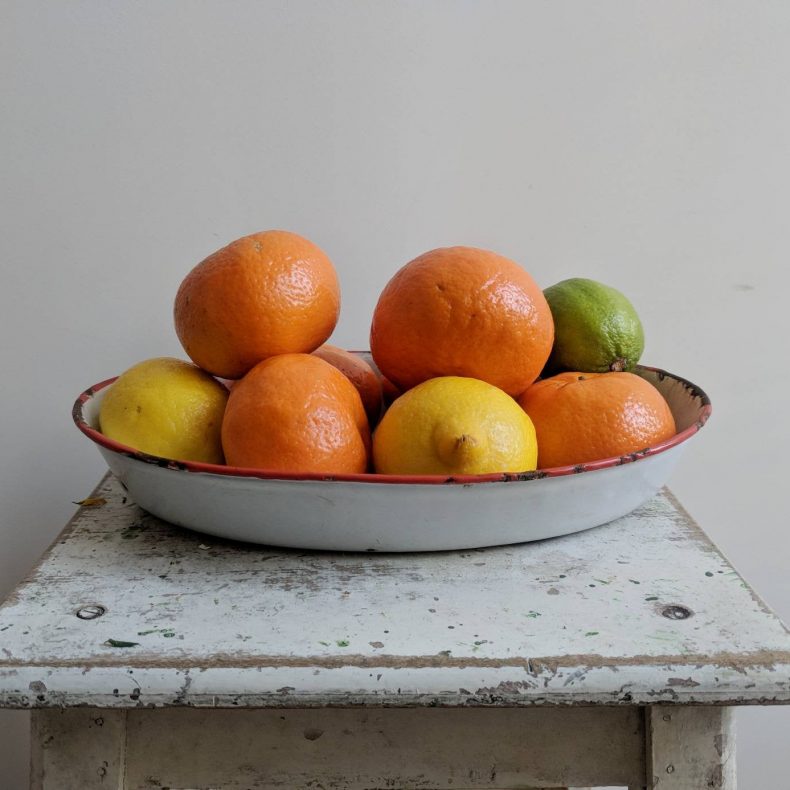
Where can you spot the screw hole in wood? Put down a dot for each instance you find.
(90, 612)
(676, 612)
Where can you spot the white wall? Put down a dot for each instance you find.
(643, 144)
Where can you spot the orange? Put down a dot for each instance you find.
(296, 413)
(462, 311)
(581, 417)
(389, 391)
(359, 373)
(269, 293)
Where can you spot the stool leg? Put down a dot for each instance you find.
(690, 747)
(77, 749)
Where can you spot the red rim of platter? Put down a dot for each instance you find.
(371, 477)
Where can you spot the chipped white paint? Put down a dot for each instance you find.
(576, 620)
(127, 614)
(690, 748)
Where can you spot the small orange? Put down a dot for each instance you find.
(581, 417)
(296, 413)
(359, 373)
(269, 293)
(389, 391)
(462, 311)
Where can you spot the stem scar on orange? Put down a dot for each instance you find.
(462, 311)
(581, 417)
(269, 293)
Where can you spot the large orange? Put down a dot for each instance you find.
(462, 311)
(359, 373)
(582, 417)
(296, 413)
(269, 293)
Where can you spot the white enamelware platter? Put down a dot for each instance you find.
(373, 512)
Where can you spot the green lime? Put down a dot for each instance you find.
(596, 328)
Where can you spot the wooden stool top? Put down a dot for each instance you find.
(126, 611)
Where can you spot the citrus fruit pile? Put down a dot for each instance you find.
(473, 369)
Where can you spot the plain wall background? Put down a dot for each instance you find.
(646, 145)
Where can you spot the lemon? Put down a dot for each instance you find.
(454, 425)
(596, 328)
(166, 407)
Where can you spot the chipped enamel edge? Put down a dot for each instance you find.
(96, 436)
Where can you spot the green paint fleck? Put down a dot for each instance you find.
(321, 642)
(601, 581)
(342, 642)
(120, 643)
(634, 581)
(708, 573)
(651, 597)
(591, 633)
(164, 631)
(532, 613)
(662, 636)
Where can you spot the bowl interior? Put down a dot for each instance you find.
(689, 405)
(686, 401)
(91, 407)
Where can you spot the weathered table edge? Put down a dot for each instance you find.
(279, 687)
(435, 681)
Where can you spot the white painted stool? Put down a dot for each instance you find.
(154, 657)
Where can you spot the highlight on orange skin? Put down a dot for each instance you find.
(296, 413)
(581, 417)
(462, 311)
(265, 294)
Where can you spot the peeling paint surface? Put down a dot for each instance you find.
(643, 610)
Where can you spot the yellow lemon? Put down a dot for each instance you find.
(454, 425)
(166, 407)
